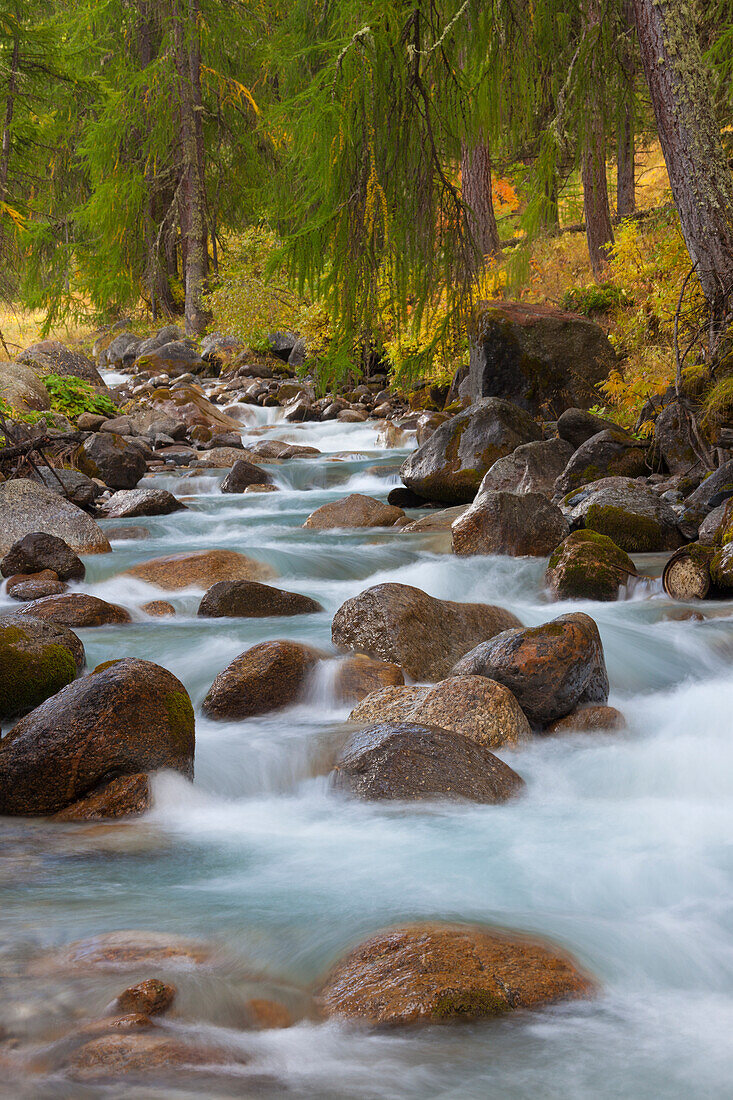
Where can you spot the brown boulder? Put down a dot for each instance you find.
(77, 609)
(37, 659)
(138, 1054)
(532, 468)
(441, 973)
(34, 586)
(266, 677)
(199, 569)
(359, 676)
(509, 523)
(128, 949)
(159, 608)
(611, 453)
(388, 704)
(588, 720)
(187, 403)
(131, 717)
(150, 997)
(412, 761)
(355, 510)
(126, 796)
(250, 599)
(242, 475)
(112, 459)
(550, 669)
(424, 635)
(29, 508)
(37, 552)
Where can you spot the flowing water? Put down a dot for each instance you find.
(620, 849)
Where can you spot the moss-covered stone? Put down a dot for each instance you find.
(588, 565)
(181, 718)
(34, 664)
(632, 532)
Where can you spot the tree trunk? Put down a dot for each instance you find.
(598, 230)
(9, 111)
(625, 182)
(476, 189)
(682, 97)
(192, 195)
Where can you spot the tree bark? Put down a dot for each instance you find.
(598, 230)
(192, 192)
(9, 111)
(625, 181)
(682, 97)
(476, 190)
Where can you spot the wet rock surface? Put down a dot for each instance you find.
(77, 609)
(128, 503)
(28, 508)
(266, 677)
(250, 599)
(37, 659)
(520, 524)
(200, 569)
(354, 511)
(36, 552)
(588, 566)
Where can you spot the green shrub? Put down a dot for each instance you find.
(72, 396)
(596, 298)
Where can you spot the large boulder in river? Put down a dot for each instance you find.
(26, 508)
(22, 390)
(77, 609)
(174, 358)
(509, 523)
(53, 357)
(130, 717)
(129, 503)
(242, 475)
(355, 510)
(38, 551)
(450, 465)
(37, 659)
(540, 357)
(550, 669)
(611, 453)
(411, 760)
(443, 973)
(266, 677)
(588, 566)
(252, 600)
(576, 426)
(628, 512)
(187, 403)
(199, 569)
(531, 468)
(424, 635)
(112, 459)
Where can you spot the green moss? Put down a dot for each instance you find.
(633, 533)
(470, 1004)
(28, 678)
(106, 664)
(181, 719)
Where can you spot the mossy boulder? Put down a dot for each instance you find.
(550, 669)
(588, 566)
(721, 568)
(452, 462)
(538, 356)
(444, 973)
(611, 453)
(37, 659)
(628, 512)
(130, 718)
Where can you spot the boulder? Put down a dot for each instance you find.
(159, 608)
(714, 490)
(72, 485)
(588, 720)
(175, 358)
(550, 669)
(721, 568)
(440, 519)
(125, 796)
(388, 704)
(128, 503)
(632, 515)
(34, 586)
(39, 551)
(441, 973)
(576, 426)
(424, 635)
(120, 351)
(509, 523)
(282, 344)
(77, 609)
(588, 566)
(355, 510)
(242, 475)
(152, 997)
(222, 458)
(360, 676)
(450, 465)
(408, 760)
(53, 357)
(611, 453)
(482, 710)
(540, 357)
(250, 599)
(187, 403)
(130, 717)
(112, 459)
(199, 569)
(531, 468)
(37, 659)
(266, 677)
(22, 390)
(672, 438)
(28, 508)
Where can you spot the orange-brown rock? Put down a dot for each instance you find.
(266, 677)
(359, 676)
(34, 586)
(131, 949)
(77, 609)
(264, 1014)
(158, 608)
(140, 1053)
(480, 709)
(588, 720)
(200, 569)
(439, 973)
(150, 998)
(125, 796)
(389, 704)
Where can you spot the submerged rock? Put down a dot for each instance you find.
(250, 599)
(77, 609)
(413, 760)
(450, 465)
(424, 635)
(37, 659)
(200, 569)
(509, 523)
(266, 677)
(354, 511)
(29, 508)
(441, 973)
(550, 669)
(128, 718)
(588, 566)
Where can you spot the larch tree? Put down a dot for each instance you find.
(598, 229)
